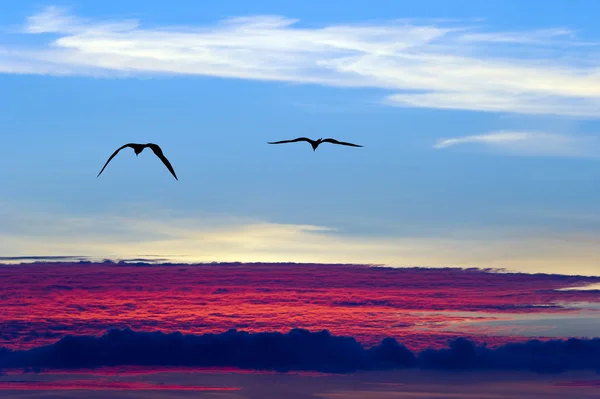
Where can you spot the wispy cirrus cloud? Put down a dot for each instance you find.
(435, 65)
(529, 143)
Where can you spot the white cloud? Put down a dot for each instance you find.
(422, 65)
(540, 37)
(530, 143)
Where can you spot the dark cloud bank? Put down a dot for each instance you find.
(299, 350)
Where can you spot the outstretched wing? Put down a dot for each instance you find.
(113, 155)
(156, 149)
(334, 141)
(291, 141)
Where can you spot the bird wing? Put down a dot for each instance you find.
(291, 141)
(334, 141)
(114, 154)
(156, 149)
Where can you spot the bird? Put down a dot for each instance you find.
(138, 148)
(315, 143)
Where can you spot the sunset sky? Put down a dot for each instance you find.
(478, 120)
(120, 330)
(456, 254)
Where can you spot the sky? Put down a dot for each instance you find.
(259, 273)
(478, 121)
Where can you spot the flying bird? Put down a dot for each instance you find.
(315, 143)
(138, 148)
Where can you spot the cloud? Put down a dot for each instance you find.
(530, 143)
(541, 37)
(421, 307)
(103, 385)
(297, 350)
(534, 355)
(435, 65)
(229, 239)
(579, 383)
(40, 258)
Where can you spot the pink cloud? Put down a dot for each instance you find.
(43, 302)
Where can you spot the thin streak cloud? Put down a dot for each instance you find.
(529, 143)
(431, 65)
(231, 240)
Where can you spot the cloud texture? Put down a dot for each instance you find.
(298, 350)
(420, 307)
(447, 66)
(529, 143)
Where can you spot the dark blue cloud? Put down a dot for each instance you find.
(297, 350)
(42, 258)
(534, 355)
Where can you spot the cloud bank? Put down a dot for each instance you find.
(419, 65)
(297, 350)
(529, 143)
(103, 385)
(420, 307)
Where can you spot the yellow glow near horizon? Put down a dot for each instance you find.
(228, 240)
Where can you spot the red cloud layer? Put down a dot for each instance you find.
(42, 302)
(97, 385)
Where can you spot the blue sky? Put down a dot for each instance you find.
(479, 125)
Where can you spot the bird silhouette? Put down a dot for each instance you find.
(138, 148)
(315, 143)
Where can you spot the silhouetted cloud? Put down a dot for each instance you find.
(41, 258)
(79, 259)
(297, 350)
(534, 355)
